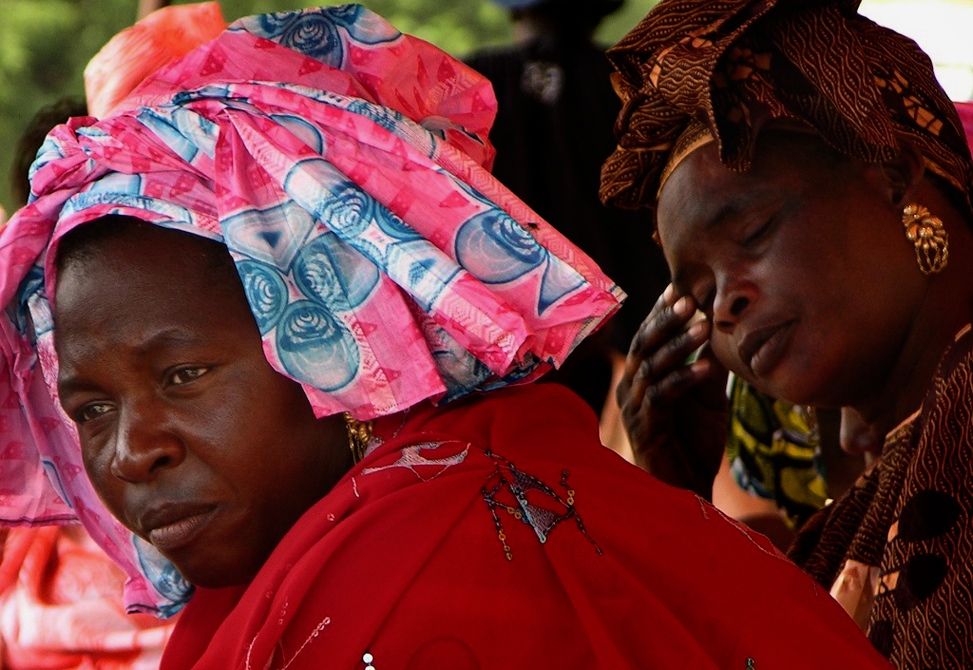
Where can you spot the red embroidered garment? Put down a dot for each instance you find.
(497, 533)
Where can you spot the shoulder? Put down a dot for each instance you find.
(944, 420)
(516, 417)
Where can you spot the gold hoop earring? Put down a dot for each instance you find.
(359, 435)
(926, 232)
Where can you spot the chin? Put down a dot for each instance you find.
(214, 574)
(210, 579)
(796, 386)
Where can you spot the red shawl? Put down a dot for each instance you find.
(488, 534)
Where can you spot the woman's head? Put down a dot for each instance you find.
(376, 265)
(734, 68)
(778, 146)
(189, 436)
(800, 262)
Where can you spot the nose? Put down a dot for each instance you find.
(144, 444)
(733, 298)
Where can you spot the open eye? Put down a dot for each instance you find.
(187, 375)
(92, 411)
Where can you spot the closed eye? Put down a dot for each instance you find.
(759, 234)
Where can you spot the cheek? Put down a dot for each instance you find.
(97, 466)
(725, 351)
(276, 421)
(97, 462)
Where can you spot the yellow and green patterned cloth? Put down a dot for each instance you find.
(774, 451)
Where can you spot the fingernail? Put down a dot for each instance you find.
(682, 306)
(667, 294)
(697, 329)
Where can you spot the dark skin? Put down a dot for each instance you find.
(193, 441)
(811, 292)
(675, 414)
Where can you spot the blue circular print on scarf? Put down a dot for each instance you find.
(393, 226)
(331, 272)
(496, 249)
(315, 347)
(346, 209)
(162, 575)
(313, 34)
(266, 292)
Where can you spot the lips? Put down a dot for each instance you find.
(171, 526)
(762, 348)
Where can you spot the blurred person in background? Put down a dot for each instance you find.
(555, 108)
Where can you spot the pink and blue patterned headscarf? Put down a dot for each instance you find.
(345, 166)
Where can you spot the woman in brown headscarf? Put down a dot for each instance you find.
(810, 186)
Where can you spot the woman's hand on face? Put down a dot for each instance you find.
(675, 413)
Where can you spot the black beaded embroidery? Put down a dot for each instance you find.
(507, 480)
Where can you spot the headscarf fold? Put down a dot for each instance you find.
(344, 165)
(732, 66)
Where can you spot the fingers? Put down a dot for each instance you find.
(661, 347)
(669, 314)
(671, 356)
(652, 365)
(715, 368)
(666, 389)
(650, 391)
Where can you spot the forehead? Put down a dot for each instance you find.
(123, 244)
(702, 195)
(143, 272)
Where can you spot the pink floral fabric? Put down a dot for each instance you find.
(345, 166)
(965, 110)
(61, 607)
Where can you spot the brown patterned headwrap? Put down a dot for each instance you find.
(731, 66)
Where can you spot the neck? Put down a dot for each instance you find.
(946, 308)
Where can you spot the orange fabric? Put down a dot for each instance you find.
(497, 533)
(61, 607)
(135, 53)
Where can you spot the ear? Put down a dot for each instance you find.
(900, 177)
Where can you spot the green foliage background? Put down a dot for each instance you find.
(45, 44)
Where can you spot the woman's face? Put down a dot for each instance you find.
(800, 262)
(188, 435)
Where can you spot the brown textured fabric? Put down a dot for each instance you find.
(735, 65)
(910, 517)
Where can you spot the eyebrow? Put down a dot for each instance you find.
(727, 211)
(68, 382)
(753, 200)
